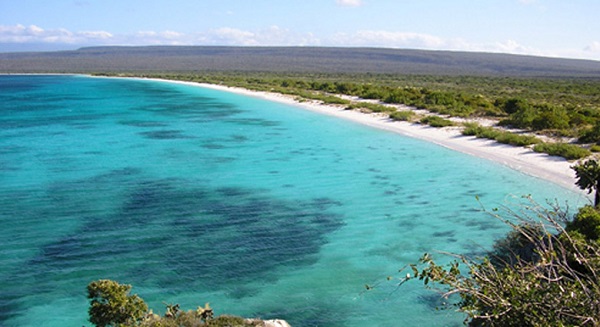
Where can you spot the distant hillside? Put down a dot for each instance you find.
(292, 59)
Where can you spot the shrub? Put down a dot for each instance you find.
(557, 286)
(591, 134)
(510, 106)
(516, 139)
(330, 99)
(565, 150)
(436, 121)
(537, 117)
(479, 131)
(595, 148)
(550, 117)
(111, 304)
(374, 107)
(587, 223)
(504, 137)
(402, 115)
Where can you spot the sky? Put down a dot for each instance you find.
(552, 28)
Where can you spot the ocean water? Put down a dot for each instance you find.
(193, 195)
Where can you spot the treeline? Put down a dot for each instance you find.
(555, 107)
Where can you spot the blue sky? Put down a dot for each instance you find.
(556, 28)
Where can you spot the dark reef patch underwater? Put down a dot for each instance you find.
(194, 195)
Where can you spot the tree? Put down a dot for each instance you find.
(111, 304)
(588, 178)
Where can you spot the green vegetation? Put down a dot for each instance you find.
(556, 285)
(372, 107)
(111, 305)
(499, 135)
(565, 150)
(436, 121)
(402, 115)
(542, 273)
(588, 178)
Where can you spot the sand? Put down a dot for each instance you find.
(551, 168)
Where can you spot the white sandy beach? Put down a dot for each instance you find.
(551, 168)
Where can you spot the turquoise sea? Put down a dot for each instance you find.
(194, 195)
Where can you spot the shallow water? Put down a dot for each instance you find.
(194, 195)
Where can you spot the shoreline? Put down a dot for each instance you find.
(550, 168)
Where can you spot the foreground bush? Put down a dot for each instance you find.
(111, 305)
(546, 277)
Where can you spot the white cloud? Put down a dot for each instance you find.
(227, 35)
(278, 36)
(349, 3)
(270, 36)
(527, 2)
(389, 39)
(151, 38)
(510, 46)
(593, 47)
(35, 34)
(36, 30)
(410, 40)
(100, 35)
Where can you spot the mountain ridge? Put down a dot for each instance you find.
(293, 59)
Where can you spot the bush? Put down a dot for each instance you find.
(550, 117)
(591, 134)
(587, 223)
(436, 121)
(374, 107)
(565, 150)
(402, 115)
(504, 137)
(111, 305)
(557, 286)
(473, 129)
(330, 99)
(536, 117)
(516, 139)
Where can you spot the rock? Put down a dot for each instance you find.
(269, 323)
(276, 323)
